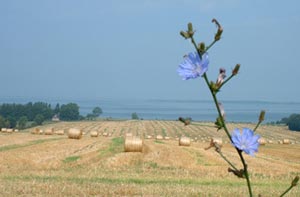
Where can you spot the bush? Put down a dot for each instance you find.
(293, 122)
(134, 116)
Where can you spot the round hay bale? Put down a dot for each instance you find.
(133, 144)
(184, 141)
(3, 130)
(94, 134)
(35, 131)
(16, 130)
(262, 141)
(74, 133)
(286, 141)
(280, 142)
(41, 131)
(128, 135)
(148, 136)
(49, 131)
(218, 141)
(270, 141)
(167, 137)
(159, 137)
(59, 132)
(105, 134)
(9, 130)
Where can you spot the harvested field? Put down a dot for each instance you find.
(53, 165)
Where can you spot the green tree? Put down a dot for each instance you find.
(69, 112)
(134, 116)
(2, 122)
(22, 122)
(97, 111)
(57, 109)
(39, 119)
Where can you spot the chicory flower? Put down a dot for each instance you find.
(245, 141)
(192, 66)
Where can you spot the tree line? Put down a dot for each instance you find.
(31, 114)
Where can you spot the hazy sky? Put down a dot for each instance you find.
(131, 49)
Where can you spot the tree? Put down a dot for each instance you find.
(12, 122)
(134, 116)
(97, 111)
(57, 109)
(69, 112)
(22, 122)
(39, 119)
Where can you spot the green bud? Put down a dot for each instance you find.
(236, 69)
(262, 116)
(185, 34)
(201, 47)
(295, 181)
(190, 29)
(219, 125)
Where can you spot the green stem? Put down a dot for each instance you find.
(227, 161)
(286, 191)
(210, 45)
(221, 117)
(257, 125)
(226, 81)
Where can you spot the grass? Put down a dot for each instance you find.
(71, 159)
(115, 146)
(15, 146)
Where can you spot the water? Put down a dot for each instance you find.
(236, 111)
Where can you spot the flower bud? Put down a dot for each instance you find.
(201, 47)
(190, 29)
(220, 30)
(262, 116)
(185, 34)
(236, 69)
(295, 181)
(221, 77)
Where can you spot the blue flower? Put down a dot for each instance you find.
(192, 66)
(245, 141)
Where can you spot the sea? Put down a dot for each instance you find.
(171, 109)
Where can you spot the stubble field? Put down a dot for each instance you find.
(53, 165)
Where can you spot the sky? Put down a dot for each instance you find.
(75, 49)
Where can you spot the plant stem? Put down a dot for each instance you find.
(286, 191)
(220, 114)
(221, 154)
(257, 125)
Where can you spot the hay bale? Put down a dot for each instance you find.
(148, 136)
(49, 131)
(133, 144)
(74, 133)
(184, 141)
(128, 135)
(159, 137)
(167, 137)
(41, 131)
(9, 130)
(16, 130)
(105, 134)
(218, 141)
(280, 142)
(286, 141)
(262, 141)
(94, 134)
(270, 141)
(3, 130)
(35, 131)
(59, 132)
